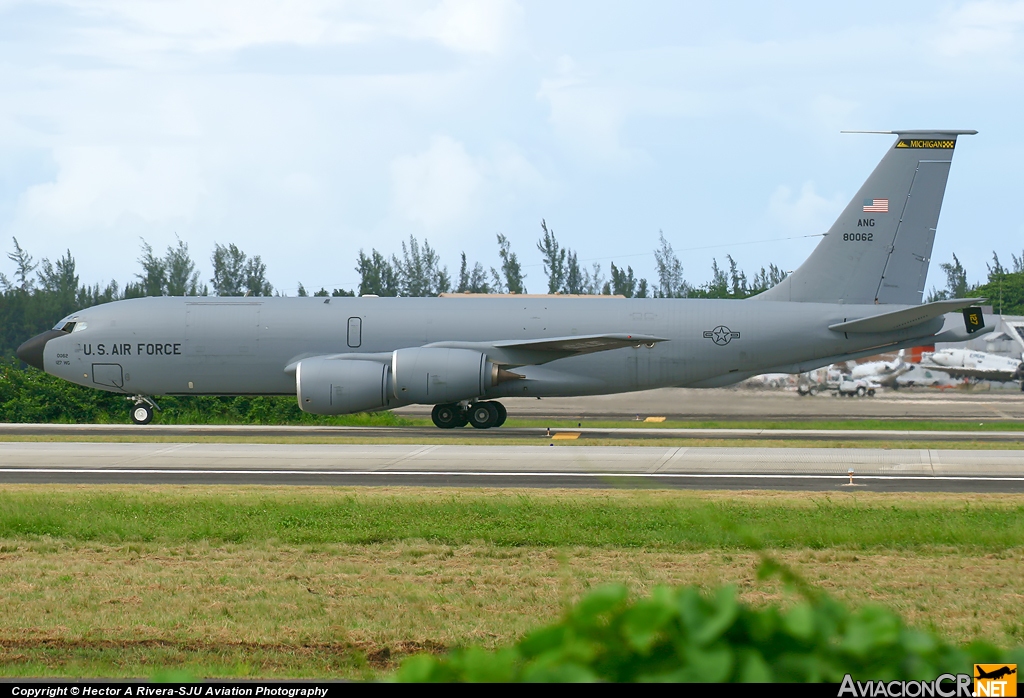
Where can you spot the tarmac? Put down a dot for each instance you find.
(689, 404)
(428, 434)
(551, 463)
(439, 465)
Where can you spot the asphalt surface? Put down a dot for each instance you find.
(428, 434)
(818, 469)
(975, 402)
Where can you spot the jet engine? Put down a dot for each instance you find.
(341, 386)
(438, 375)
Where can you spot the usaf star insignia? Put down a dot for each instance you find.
(721, 335)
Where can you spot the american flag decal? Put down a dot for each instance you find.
(876, 206)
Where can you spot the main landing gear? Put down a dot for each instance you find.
(142, 410)
(482, 415)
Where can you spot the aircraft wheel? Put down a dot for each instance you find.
(502, 413)
(483, 415)
(812, 391)
(142, 413)
(446, 416)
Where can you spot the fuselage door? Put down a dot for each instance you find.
(109, 375)
(355, 332)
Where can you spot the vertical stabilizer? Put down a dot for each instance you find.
(878, 249)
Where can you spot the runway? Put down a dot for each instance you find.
(428, 434)
(719, 404)
(819, 469)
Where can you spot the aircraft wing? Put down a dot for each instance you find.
(518, 352)
(523, 352)
(907, 317)
(586, 344)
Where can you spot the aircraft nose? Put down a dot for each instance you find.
(31, 352)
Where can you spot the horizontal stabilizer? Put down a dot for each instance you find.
(902, 319)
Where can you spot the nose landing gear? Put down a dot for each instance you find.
(481, 415)
(142, 410)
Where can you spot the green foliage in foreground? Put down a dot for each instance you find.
(668, 520)
(28, 395)
(684, 635)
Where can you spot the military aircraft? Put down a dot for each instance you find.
(858, 294)
(978, 365)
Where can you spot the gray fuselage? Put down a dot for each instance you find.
(230, 346)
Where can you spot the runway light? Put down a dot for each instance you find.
(850, 473)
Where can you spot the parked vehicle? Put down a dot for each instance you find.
(855, 387)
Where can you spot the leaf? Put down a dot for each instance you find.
(419, 668)
(752, 668)
(870, 629)
(725, 610)
(643, 623)
(799, 622)
(543, 640)
(560, 673)
(481, 666)
(712, 665)
(598, 602)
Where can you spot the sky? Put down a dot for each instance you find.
(304, 131)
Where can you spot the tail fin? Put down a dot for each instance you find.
(878, 249)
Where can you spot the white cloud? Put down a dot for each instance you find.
(475, 26)
(197, 26)
(445, 189)
(437, 187)
(96, 186)
(804, 212)
(981, 28)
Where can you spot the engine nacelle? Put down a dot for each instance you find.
(341, 386)
(435, 375)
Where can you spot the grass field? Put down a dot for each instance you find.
(230, 581)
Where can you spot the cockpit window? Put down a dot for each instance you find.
(70, 326)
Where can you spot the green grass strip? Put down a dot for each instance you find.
(620, 519)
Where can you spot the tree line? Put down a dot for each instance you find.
(40, 293)
(419, 272)
(1004, 286)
